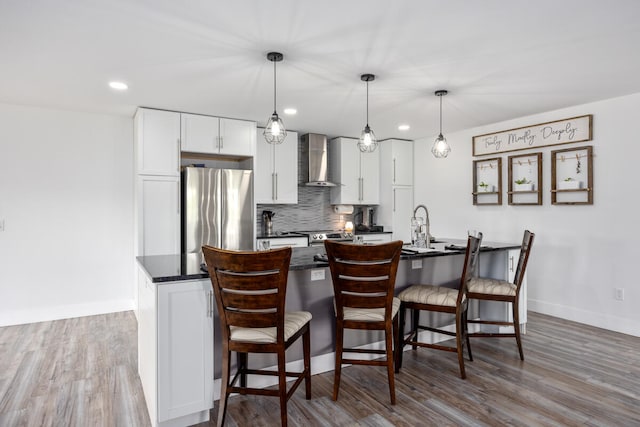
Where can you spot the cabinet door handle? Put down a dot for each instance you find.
(511, 263)
(273, 186)
(394, 199)
(221, 142)
(210, 311)
(178, 199)
(394, 171)
(179, 144)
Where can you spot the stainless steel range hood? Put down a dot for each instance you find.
(314, 150)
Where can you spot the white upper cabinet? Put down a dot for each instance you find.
(276, 170)
(214, 135)
(396, 187)
(157, 142)
(357, 174)
(396, 158)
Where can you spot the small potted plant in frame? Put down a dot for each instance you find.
(523, 184)
(483, 187)
(569, 184)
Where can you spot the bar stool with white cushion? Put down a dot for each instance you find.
(441, 299)
(250, 289)
(363, 284)
(486, 289)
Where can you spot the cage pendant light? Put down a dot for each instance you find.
(368, 141)
(440, 147)
(274, 132)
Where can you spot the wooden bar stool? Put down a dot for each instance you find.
(501, 290)
(250, 290)
(363, 282)
(443, 300)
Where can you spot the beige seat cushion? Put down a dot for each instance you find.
(370, 314)
(293, 322)
(429, 294)
(481, 285)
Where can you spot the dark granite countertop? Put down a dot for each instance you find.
(173, 268)
(280, 235)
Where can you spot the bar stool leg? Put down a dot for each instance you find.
(306, 349)
(338, 367)
(400, 337)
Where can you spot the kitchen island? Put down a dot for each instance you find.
(178, 326)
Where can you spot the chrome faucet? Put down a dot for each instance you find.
(426, 222)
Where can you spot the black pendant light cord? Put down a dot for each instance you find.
(367, 103)
(440, 114)
(275, 92)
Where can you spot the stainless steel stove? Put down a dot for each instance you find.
(317, 237)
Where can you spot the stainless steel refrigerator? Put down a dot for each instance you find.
(217, 209)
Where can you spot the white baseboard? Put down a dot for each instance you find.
(33, 315)
(326, 362)
(592, 318)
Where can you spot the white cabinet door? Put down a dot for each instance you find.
(401, 213)
(157, 142)
(237, 137)
(401, 160)
(199, 133)
(185, 348)
(276, 170)
(158, 204)
(512, 263)
(286, 169)
(263, 168)
(370, 178)
(147, 342)
(376, 238)
(356, 173)
(214, 135)
(294, 242)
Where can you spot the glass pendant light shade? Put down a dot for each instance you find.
(274, 132)
(441, 147)
(368, 141)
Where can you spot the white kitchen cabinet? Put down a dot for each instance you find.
(158, 215)
(376, 238)
(157, 135)
(282, 242)
(396, 162)
(175, 350)
(216, 135)
(276, 170)
(396, 187)
(357, 174)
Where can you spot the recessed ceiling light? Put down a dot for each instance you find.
(290, 111)
(404, 127)
(118, 85)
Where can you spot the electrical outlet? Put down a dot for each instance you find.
(620, 294)
(317, 274)
(416, 264)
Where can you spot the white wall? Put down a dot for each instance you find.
(580, 253)
(66, 196)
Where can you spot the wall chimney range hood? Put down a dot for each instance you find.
(314, 151)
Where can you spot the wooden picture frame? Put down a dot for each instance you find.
(487, 181)
(526, 168)
(572, 176)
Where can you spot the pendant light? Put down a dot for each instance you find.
(274, 132)
(440, 147)
(368, 142)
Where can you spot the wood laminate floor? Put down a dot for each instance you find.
(82, 372)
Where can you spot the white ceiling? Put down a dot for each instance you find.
(499, 59)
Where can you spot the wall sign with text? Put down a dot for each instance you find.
(575, 129)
